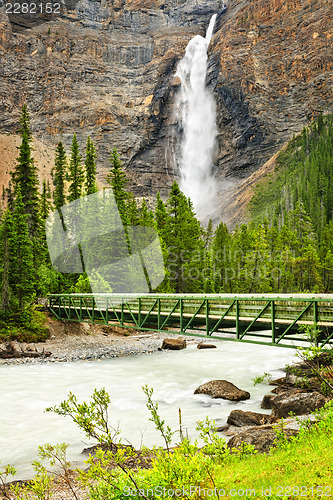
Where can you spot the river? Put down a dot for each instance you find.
(26, 390)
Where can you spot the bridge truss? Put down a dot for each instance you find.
(257, 318)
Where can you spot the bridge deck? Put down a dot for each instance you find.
(268, 318)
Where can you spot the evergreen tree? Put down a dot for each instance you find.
(183, 241)
(90, 166)
(76, 176)
(25, 127)
(118, 180)
(5, 286)
(160, 225)
(59, 197)
(22, 272)
(146, 216)
(45, 201)
(25, 179)
(132, 211)
(221, 258)
(160, 216)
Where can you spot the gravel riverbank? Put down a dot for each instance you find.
(69, 341)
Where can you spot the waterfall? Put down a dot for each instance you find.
(196, 112)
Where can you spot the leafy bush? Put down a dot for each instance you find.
(27, 325)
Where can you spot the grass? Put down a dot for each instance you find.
(307, 463)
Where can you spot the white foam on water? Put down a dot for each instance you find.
(26, 390)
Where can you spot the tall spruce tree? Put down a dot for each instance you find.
(182, 237)
(118, 180)
(90, 166)
(25, 178)
(5, 285)
(45, 201)
(22, 271)
(59, 197)
(76, 176)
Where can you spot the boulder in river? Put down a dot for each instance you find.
(298, 403)
(222, 389)
(174, 344)
(201, 345)
(241, 418)
(266, 403)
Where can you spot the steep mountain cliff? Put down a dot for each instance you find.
(106, 69)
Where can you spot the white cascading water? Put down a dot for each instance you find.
(196, 111)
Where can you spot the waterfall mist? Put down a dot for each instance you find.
(196, 112)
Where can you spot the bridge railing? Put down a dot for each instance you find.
(256, 318)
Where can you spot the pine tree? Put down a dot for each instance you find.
(25, 128)
(25, 178)
(90, 166)
(160, 215)
(146, 216)
(132, 211)
(118, 180)
(5, 286)
(221, 258)
(76, 177)
(59, 196)
(183, 240)
(45, 201)
(22, 272)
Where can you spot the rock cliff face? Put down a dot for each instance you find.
(106, 69)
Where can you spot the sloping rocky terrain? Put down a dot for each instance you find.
(106, 69)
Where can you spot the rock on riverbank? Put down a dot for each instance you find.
(70, 341)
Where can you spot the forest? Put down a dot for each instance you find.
(286, 245)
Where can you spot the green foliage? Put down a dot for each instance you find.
(312, 357)
(260, 379)
(182, 235)
(165, 431)
(27, 325)
(76, 175)
(118, 180)
(21, 271)
(215, 446)
(303, 173)
(90, 166)
(287, 247)
(82, 285)
(25, 178)
(245, 450)
(56, 456)
(49, 280)
(303, 460)
(5, 472)
(91, 418)
(39, 488)
(59, 176)
(45, 202)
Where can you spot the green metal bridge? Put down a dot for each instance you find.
(257, 318)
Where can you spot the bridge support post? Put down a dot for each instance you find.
(181, 314)
(139, 312)
(207, 317)
(315, 319)
(273, 320)
(159, 314)
(107, 311)
(238, 333)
